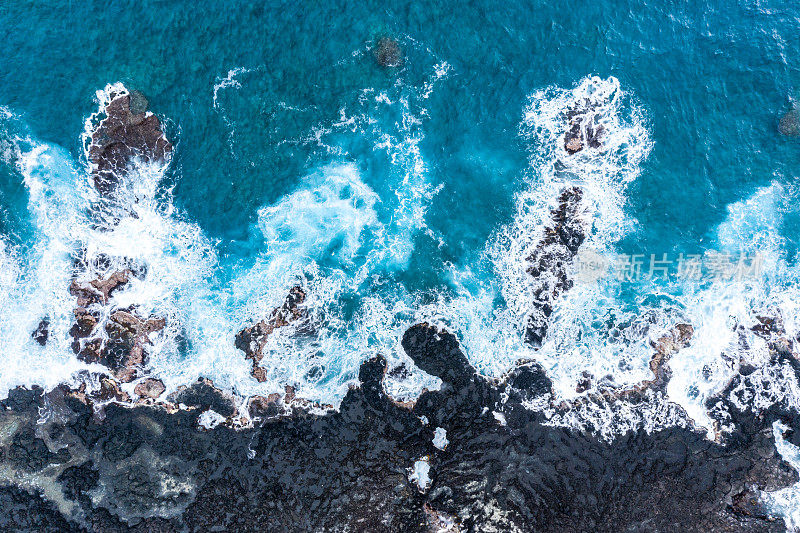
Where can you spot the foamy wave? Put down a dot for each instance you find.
(785, 502)
(724, 311)
(574, 343)
(35, 278)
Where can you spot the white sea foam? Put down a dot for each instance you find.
(723, 311)
(574, 343)
(35, 278)
(785, 502)
(419, 474)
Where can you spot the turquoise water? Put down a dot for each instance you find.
(408, 193)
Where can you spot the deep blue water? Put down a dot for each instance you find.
(263, 101)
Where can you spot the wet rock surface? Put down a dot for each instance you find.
(583, 127)
(42, 332)
(127, 132)
(105, 333)
(147, 469)
(253, 339)
(550, 262)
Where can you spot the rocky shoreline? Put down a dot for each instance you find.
(472, 456)
(502, 469)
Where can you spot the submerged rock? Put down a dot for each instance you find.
(139, 103)
(789, 124)
(387, 52)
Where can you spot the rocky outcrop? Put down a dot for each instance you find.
(103, 332)
(253, 339)
(150, 388)
(549, 264)
(122, 346)
(583, 127)
(666, 346)
(126, 133)
(42, 332)
(387, 52)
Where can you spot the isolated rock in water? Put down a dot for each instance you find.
(42, 332)
(582, 127)
(387, 52)
(251, 340)
(550, 261)
(789, 123)
(126, 133)
(150, 388)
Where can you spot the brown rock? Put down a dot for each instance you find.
(150, 388)
(124, 134)
(98, 290)
(253, 339)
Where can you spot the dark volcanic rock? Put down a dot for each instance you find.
(583, 128)
(437, 352)
(550, 262)
(22, 511)
(387, 52)
(42, 332)
(144, 469)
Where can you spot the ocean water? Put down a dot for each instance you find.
(396, 195)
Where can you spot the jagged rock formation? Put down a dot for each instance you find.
(122, 348)
(551, 260)
(253, 339)
(104, 333)
(42, 332)
(125, 134)
(150, 469)
(583, 128)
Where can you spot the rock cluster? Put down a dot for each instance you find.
(127, 132)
